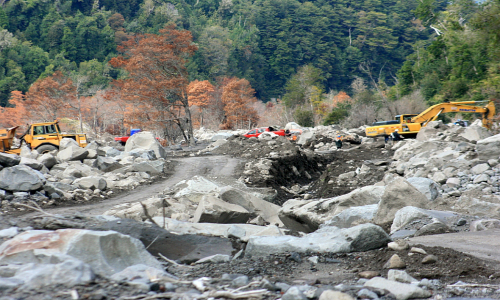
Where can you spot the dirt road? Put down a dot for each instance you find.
(481, 244)
(185, 168)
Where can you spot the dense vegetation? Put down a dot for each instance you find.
(263, 41)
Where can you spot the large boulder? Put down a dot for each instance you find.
(307, 216)
(9, 160)
(402, 291)
(108, 151)
(106, 164)
(409, 214)
(145, 140)
(426, 186)
(489, 148)
(32, 163)
(398, 194)
(353, 216)
(107, 252)
(475, 133)
(267, 210)
(69, 272)
(48, 160)
(245, 231)
(67, 143)
(327, 239)
(91, 182)
(213, 210)
(305, 137)
(72, 153)
(195, 188)
(21, 178)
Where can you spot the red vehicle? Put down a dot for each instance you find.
(123, 139)
(258, 131)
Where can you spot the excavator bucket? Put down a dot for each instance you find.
(488, 116)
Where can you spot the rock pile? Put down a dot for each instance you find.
(76, 173)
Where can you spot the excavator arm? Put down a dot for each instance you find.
(433, 112)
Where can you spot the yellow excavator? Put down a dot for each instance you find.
(410, 124)
(44, 137)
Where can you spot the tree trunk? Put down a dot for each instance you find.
(189, 123)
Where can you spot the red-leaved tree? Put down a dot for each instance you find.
(157, 77)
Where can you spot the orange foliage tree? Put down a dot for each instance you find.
(50, 97)
(200, 94)
(238, 98)
(16, 115)
(157, 77)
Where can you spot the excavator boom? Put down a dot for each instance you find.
(411, 124)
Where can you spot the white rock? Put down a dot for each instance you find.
(402, 291)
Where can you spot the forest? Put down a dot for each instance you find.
(243, 63)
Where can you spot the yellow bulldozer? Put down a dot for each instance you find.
(410, 124)
(43, 137)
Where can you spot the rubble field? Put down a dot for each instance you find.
(258, 218)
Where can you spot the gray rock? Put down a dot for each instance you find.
(145, 140)
(484, 224)
(67, 143)
(48, 160)
(267, 210)
(108, 151)
(9, 232)
(408, 214)
(150, 167)
(240, 281)
(402, 291)
(92, 153)
(70, 272)
(72, 153)
(489, 148)
(480, 168)
(401, 276)
(426, 186)
(433, 228)
(21, 178)
(353, 216)
(429, 259)
(9, 283)
(398, 194)
(335, 295)
(367, 294)
(215, 259)
(9, 160)
(453, 182)
(106, 164)
(475, 133)
(213, 210)
(332, 239)
(107, 252)
(481, 178)
(308, 215)
(144, 153)
(395, 262)
(140, 271)
(305, 137)
(91, 182)
(294, 293)
(32, 163)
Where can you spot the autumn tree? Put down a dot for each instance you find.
(50, 97)
(157, 76)
(16, 114)
(200, 94)
(238, 98)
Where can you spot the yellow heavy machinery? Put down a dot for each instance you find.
(410, 124)
(44, 137)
